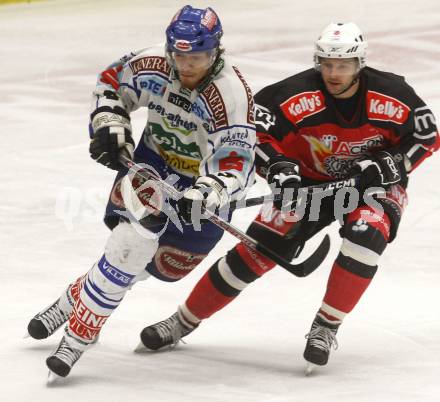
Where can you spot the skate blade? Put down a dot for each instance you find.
(141, 348)
(53, 378)
(310, 368)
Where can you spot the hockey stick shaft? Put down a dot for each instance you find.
(327, 187)
(301, 269)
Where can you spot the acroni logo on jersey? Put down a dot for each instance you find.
(359, 147)
(383, 107)
(305, 104)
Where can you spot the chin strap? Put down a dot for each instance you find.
(355, 80)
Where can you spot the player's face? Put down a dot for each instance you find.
(338, 74)
(192, 67)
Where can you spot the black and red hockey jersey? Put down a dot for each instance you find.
(298, 118)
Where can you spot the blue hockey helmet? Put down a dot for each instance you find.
(194, 30)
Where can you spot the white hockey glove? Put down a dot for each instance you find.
(209, 192)
(111, 132)
(283, 173)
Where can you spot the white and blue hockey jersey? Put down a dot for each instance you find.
(208, 130)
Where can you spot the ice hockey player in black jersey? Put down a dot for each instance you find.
(329, 122)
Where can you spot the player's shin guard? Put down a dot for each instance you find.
(364, 241)
(223, 282)
(102, 290)
(219, 286)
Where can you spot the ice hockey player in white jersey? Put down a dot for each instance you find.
(200, 129)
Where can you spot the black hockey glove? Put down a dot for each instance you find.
(112, 136)
(208, 192)
(382, 169)
(108, 143)
(283, 173)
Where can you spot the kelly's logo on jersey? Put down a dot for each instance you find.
(383, 107)
(305, 104)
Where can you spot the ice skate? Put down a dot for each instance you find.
(164, 333)
(62, 360)
(49, 320)
(320, 340)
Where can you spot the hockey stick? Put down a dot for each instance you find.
(301, 269)
(327, 187)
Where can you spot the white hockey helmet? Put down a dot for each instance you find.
(341, 40)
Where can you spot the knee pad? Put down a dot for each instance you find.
(363, 244)
(394, 203)
(130, 248)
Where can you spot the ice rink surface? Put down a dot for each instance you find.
(53, 198)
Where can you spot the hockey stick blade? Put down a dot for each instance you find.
(301, 269)
(305, 267)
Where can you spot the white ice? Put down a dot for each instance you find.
(53, 197)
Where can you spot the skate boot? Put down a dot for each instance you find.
(164, 333)
(49, 320)
(320, 339)
(62, 360)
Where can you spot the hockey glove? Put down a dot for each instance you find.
(283, 174)
(209, 192)
(382, 169)
(111, 133)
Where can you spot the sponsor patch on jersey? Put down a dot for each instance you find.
(236, 139)
(355, 148)
(175, 263)
(180, 164)
(264, 118)
(232, 162)
(169, 142)
(180, 101)
(217, 105)
(383, 107)
(151, 63)
(153, 83)
(303, 105)
(174, 120)
(336, 158)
